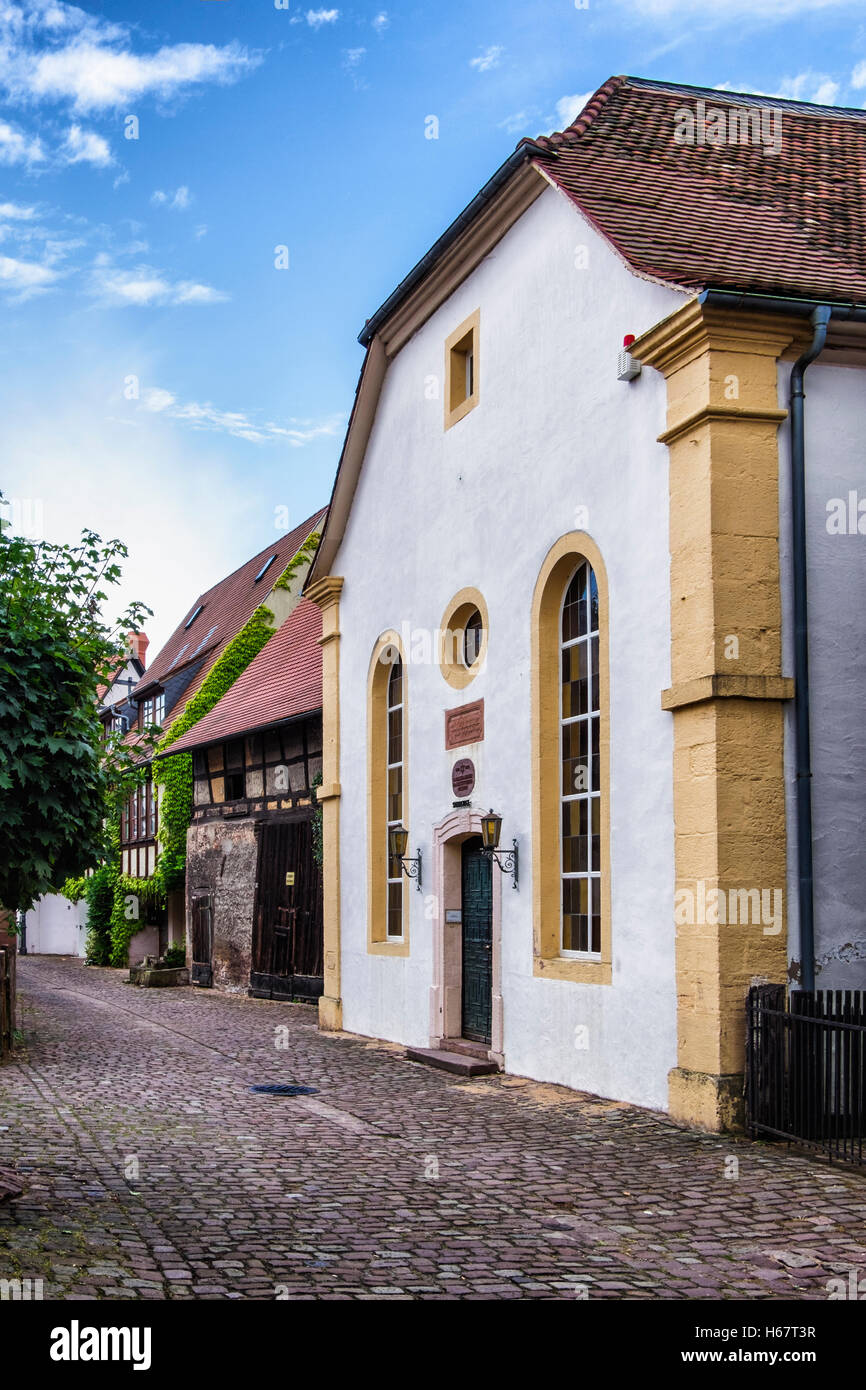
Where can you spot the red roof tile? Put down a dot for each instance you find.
(731, 216)
(283, 682)
(224, 610)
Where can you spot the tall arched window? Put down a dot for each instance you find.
(580, 726)
(387, 780)
(394, 736)
(571, 791)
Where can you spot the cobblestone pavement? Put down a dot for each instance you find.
(153, 1172)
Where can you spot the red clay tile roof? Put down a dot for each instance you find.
(283, 682)
(224, 610)
(728, 216)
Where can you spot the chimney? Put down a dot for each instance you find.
(138, 645)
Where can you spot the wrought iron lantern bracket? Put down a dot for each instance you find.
(412, 867)
(506, 859)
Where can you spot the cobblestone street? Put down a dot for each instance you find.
(153, 1172)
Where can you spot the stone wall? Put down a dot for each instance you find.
(221, 860)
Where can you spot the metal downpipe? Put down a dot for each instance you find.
(820, 319)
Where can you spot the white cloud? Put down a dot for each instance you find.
(145, 286)
(816, 87)
(490, 58)
(18, 148)
(353, 56)
(179, 200)
(24, 278)
(569, 108)
(200, 231)
(94, 77)
(52, 51)
(16, 212)
(518, 122)
(157, 400)
(86, 147)
(190, 292)
(205, 416)
(381, 22)
(316, 18)
(810, 86)
(858, 77)
(827, 94)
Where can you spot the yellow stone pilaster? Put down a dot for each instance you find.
(727, 687)
(325, 593)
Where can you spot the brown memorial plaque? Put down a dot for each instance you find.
(464, 725)
(463, 778)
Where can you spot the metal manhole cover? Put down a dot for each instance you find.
(276, 1090)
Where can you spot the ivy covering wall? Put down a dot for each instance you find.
(173, 776)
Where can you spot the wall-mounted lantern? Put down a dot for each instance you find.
(491, 827)
(397, 840)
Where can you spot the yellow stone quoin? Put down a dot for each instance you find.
(325, 593)
(727, 687)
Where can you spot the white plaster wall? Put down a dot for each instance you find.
(481, 505)
(836, 578)
(56, 927)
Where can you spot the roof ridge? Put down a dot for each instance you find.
(806, 108)
(572, 133)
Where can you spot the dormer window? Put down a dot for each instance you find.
(189, 622)
(153, 709)
(264, 569)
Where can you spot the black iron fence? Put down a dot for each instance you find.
(806, 1069)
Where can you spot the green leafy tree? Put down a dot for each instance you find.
(61, 782)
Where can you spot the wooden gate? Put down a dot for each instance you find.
(201, 969)
(287, 960)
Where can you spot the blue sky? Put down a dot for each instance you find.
(160, 378)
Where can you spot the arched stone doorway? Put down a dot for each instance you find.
(455, 873)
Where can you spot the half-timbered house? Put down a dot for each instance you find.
(254, 886)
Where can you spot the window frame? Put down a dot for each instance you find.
(452, 636)
(592, 873)
(139, 829)
(393, 879)
(378, 683)
(462, 355)
(555, 576)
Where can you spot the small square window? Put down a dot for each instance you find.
(234, 786)
(461, 370)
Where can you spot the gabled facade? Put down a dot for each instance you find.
(577, 611)
(243, 609)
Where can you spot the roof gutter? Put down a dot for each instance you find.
(772, 304)
(819, 315)
(528, 149)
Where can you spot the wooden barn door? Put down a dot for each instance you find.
(287, 926)
(201, 970)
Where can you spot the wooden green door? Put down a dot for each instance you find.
(477, 908)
